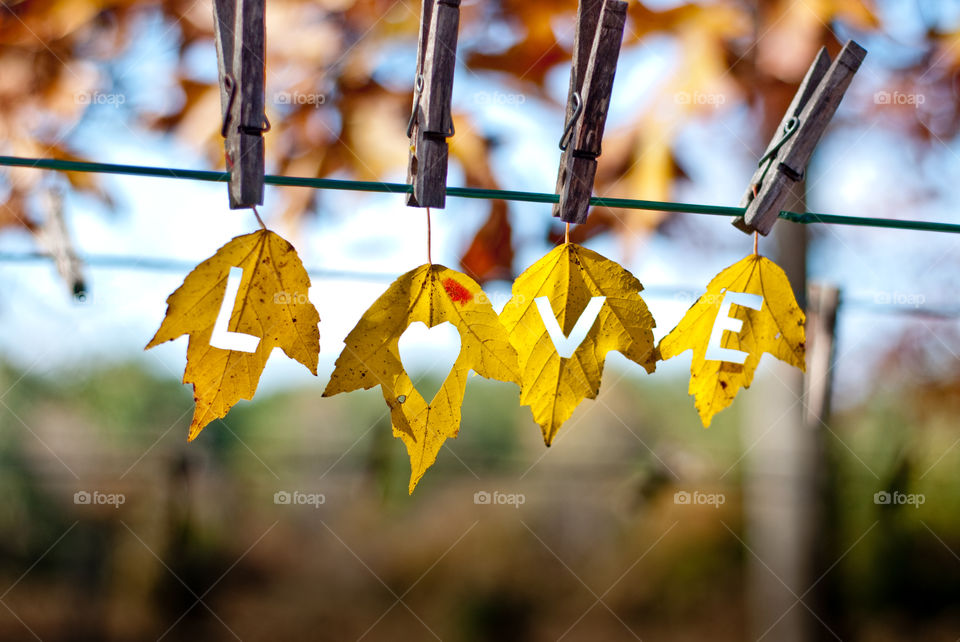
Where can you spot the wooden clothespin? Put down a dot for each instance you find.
(785, 160)
(430, 120)
(596, 48)
(240, 35)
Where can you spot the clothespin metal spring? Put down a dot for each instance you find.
(250, 130)
(417, 92)
(789, 130)
(574, 117)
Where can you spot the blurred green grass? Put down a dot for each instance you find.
(201, 517)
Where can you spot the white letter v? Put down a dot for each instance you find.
(565, 346)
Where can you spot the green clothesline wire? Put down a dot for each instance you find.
(467, 192)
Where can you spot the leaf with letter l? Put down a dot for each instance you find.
(576, 282)
(748, 309)
(431, 294)
(237, 306)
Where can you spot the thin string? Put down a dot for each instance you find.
(566, 234)
(804, 218)
(429, 241)
(257, 214)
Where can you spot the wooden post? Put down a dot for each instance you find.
(790, 506)
(785, 463)
(825, 550)
(778, 477)
(822, 303)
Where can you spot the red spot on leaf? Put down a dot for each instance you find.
(457, 292)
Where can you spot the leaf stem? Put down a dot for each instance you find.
(257, 214)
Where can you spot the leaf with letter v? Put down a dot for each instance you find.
(562, 352)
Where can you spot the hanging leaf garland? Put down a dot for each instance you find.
(251, 296)
(236, 307)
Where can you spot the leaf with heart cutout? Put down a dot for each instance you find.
(774, 324)
(431, 294)
(269, 309)
(570, 276)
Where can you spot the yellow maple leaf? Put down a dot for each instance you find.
(244, 317)
(748, 309)
(571, 277)
(431, 294)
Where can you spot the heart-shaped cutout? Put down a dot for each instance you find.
(428, 355)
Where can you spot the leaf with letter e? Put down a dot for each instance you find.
(237, 306)
(569, 287)
(748, 309)
(431, 294)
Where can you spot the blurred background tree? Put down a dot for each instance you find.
(59, 55)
